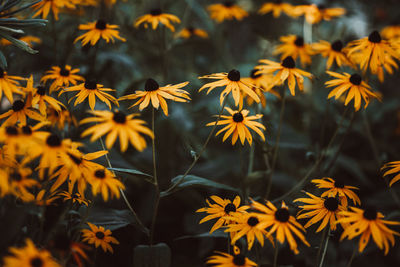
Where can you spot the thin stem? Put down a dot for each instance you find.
(137, 220)
(275, 264)
(307, 31)
(325, 248)
(251, 160)
(155, 181)
(321, 245)
(352, 257)
(200, 153)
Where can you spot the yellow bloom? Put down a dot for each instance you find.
(391, 32)
(19, 111)
(43, 7)
(62, 77)
(314, 14)
(156, 95)
(233, 83)
(393, 167)
(226, 11)
(190, 32)
(333, 51)
(20, 180)
(60, 119)
(221, 259)
(368, 222)
(337, 188)
(117, 124)
(356, 87)
(75, 198)
(103, 182)
(277, 8)
(295, 47)
(96, 30)
(286, 71)
(99, 237)
(156, 17)
(238, 124)
(9, 85)
(91, 89)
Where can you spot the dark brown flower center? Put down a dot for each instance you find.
(41, 90)
(253, 221)
(16, 176)
(155, 12)
(282, 215)
(229, 208)
(151, 85)
(355, 79)
(331, 204)
(53, 140)
(237, 117)
(75, 159)
(370, 214)
(91, 85)
(289, 63)
(101, 24)
(36, 262)
(26, 130)
(299, 42)
(228, 3)
(321, 7)
(100, 235)
(254, 75)
(64, 72)
(234, 75)
(119, 117)
(239, 260)
(100, 174)
(1, 73)
(11, 130)
(375, 37)
(190, 29)
(338, 184)
(337, 46)
(18, 105)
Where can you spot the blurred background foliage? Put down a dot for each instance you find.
(310, 120)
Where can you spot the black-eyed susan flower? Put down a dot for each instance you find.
(222, 259)
(337, 188)
(356, 87)
(335, 52)
(60, 119)
(99, 236)
(281, 223)
(227, 10)
(373, 53)
(156, 95)
(74, 198)
(116, 124)
(391, 32)
(249, 225)
(62, 77)
(99, 29)
(20, 111)
(261, 84)
(220, 209)
(103, 182)
(90, 89)
(156, 17)
(11, 138)
(44, 7)
(20, 181)
(233, 84)
(43, 100)
(190, 32)
(319, 209)
(368, 222)
(277, 7)
(238, 126)
(295, 47)
(29, 256)
(315, 14)
(9, 85)
(393, 167)
(286, 71)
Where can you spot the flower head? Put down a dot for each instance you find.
(337, 188)
(105, 183)
(99, 236)
(99, 29)
(392, 167)
(277, 7)
(228, 10)
(335, 52)
(155, 17)
(190, 32)
(20, 111)
(295, 47)
(315, 14)
(222, 259)
(44, 7)
(9, 85)
(62, 77)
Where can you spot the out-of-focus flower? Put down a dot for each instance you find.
(277, 7)
(295, 47)
(9, 85)
(391, 32)
(44, 7)
(393, 167)
(103, 182)
(190, 32)
(315, 14)
(98, 29)
(333, 51)
(226, 11)
(155, 17)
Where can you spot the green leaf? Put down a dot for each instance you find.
(8, 30)
(131, 172)
(218, 233)
(193, 181)
(20, 44)
(158, 255)
(3, 61)
(110, 218)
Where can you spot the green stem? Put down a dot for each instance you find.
(325, 248)
(275, 264)
(321, 245)
(352, 257)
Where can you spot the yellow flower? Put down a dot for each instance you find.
(337, 188)
(19, 111)
(62, 77)
(314, 14)
(220, 209)
(286, 71)
(156, 95)
(4, 183)
(280, 222)
(393, 167)
(117, 124)
(43, 7)
(91, 89)
(41, 99)
(29, 256)
(333, 51)
(356, 87)
(391, 32)
(190, 32)
(103, 182)
(277, 7)
(317, 209)
(226, 11)
(368, 222)
(60, 119)
(99, 237)
(75, 198)
(295, 47)
(20, 180)
(9, 85)
(238, 124)
(233, 83)
(221, 259)
(156, 17)
(96, 30)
